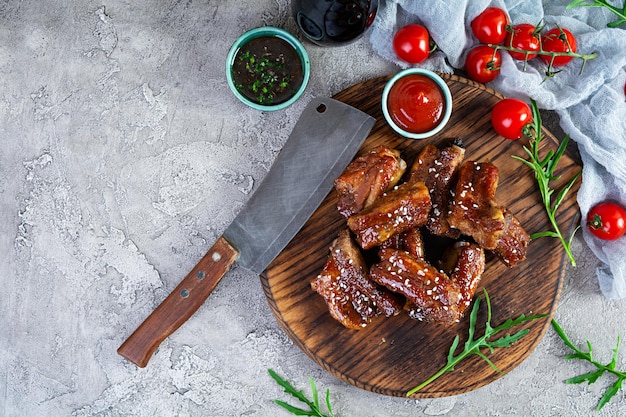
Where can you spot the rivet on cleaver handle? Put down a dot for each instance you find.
(323, 142)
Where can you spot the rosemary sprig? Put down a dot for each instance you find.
(592, 377)
(620, 13)
(474, 346)
(314, 405)
(544, 173)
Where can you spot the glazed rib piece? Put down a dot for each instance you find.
(464, 262)
(401, 209)
(437, 168)
(367, 178)
(511, 248)
(431, 295)
(475, 212)
(473, 208)
(344, 283)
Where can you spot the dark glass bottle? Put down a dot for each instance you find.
(334, 22)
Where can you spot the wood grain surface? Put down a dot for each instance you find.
(393, 355)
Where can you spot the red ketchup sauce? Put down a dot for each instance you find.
(416, 103)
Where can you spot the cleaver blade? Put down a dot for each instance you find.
(324, 140)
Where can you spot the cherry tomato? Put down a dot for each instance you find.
(523, 36)
(558, 40)
(490, 25)
(509, 117)
(483, 64)
(607, 220)
(412, 43)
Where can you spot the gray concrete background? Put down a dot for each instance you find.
(123, 157)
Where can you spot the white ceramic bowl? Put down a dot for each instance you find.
(447, 98)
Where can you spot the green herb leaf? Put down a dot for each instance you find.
(314, 408)
(474, 346)
(619, 12)
(544, 173)
(316, 400)
(455, 344)
(610, 393)
(591, 377)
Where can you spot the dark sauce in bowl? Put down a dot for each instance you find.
(267, 70)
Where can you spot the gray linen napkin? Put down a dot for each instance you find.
(591, 105)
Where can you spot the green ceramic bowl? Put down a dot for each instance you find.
(234, 62)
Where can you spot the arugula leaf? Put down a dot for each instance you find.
(591, 377)
(474, 346)
(619, 12)
(544, 173)
(314, 405)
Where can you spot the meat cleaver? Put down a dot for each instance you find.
(326, 137)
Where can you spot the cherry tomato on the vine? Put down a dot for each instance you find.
(490, 25)
(558, 40)
(523, 36)
(483, 64)
(412, 43)
(509, 117)
(607, 220)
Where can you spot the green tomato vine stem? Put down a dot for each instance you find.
(584, 57)
(553, 54)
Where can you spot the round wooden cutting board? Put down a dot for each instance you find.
(393, 355)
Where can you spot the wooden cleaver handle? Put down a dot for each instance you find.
(180, 304)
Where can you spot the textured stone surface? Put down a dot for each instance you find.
(123, 156)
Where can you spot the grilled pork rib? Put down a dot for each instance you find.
(473, 209)
(401, 209)
(511, 248)
(437, 168)
(476, 213)
(367, 178)
(344, 283)
(464, 262)
(431, 295)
